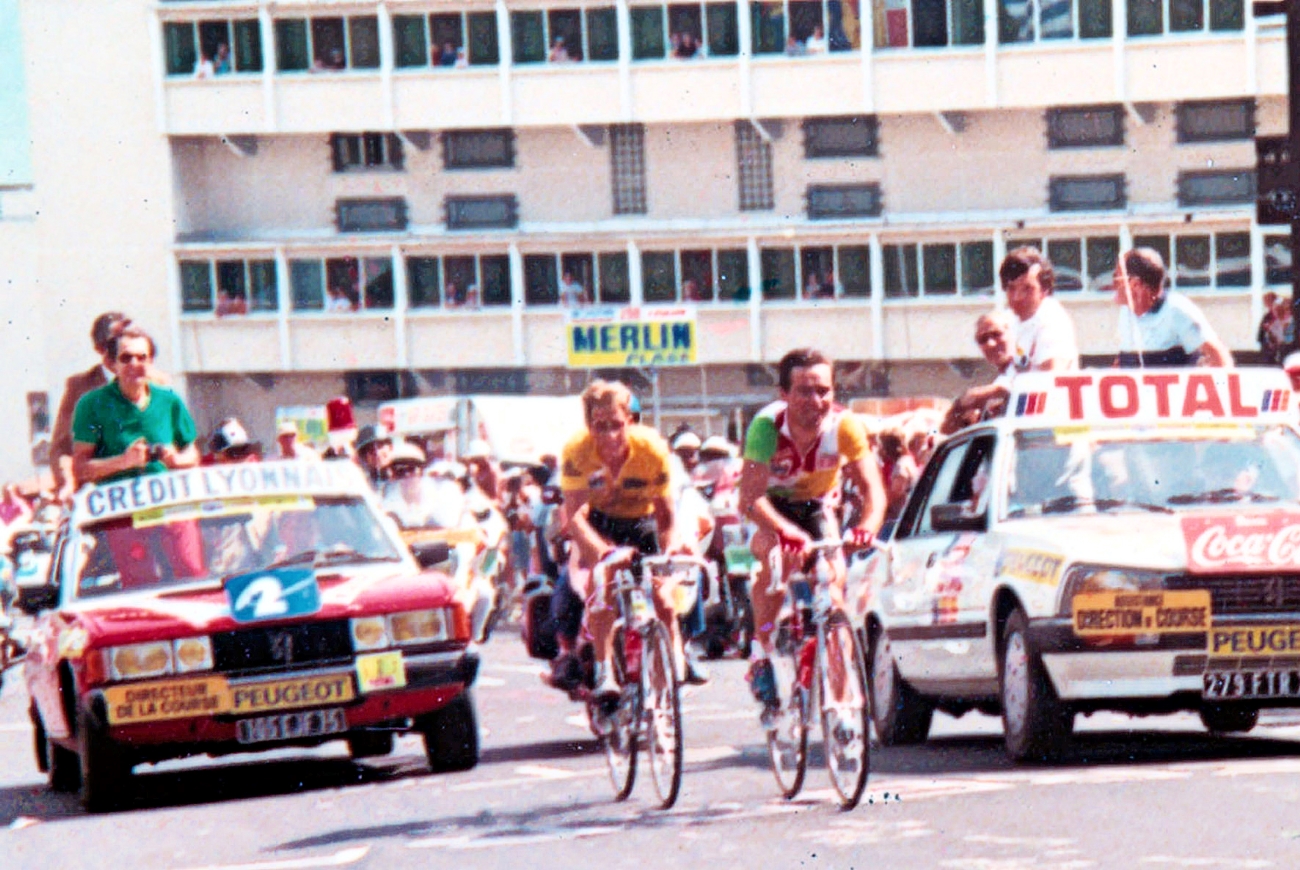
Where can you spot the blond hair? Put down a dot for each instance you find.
(605, 394)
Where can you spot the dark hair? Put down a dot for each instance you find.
(130, 330)
(1147, 266)
(101, 332)
(1021, 261)
(799, 358)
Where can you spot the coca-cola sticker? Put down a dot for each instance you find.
(1242, 542)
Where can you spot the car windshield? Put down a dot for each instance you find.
(190, 542)
(425, 502)
(1070, 471)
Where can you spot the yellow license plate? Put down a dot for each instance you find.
(469, 535)
(166, 699)
(1254, 640)
(1108, 613)
(384, 670)
(287, 694)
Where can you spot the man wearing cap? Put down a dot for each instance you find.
(373, 448)
(687, 447)
(73, 389)
(1159, 327)
(229, 444)
(286, 439)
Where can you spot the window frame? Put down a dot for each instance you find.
(239, 65)
(1187, 134)
(308, 23)
(255, 302)
(457, 157)
(394, 157)
(629, 194)
(350, 214)
(820, 201)
(1057, 202)
(1060, 140)
(813, 151)
(454, 206)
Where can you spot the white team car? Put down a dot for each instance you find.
(1123, 539)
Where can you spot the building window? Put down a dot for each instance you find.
(341, 284)
(939, 269)
(1085, 127)
(815, 26)
(233, 46)
(481, 212)
(928, 23)
(848, 136)
(754, 169)
(564, 35)
(576, 279)
(1216, 121)
(1024, 21)
(361, 151)
(379, 214)
(1086, 192)
(1200, 261)
(1216, 187)
(1079, 264)
(836, 201)
(1277, 259)
(242, 286)
(627, 165)
(695, 276)
(440, 40)
(1147, 17)
(458, 281)
(816, 272)
(684, 31)
(541, 280)
(478, 149)
(327, 44)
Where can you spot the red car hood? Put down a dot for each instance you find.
(205, 609)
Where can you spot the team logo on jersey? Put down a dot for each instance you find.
(783, 463)
(597, 479)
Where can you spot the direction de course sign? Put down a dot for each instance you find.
(614, 337)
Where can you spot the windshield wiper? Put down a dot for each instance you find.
(335, 555)
(1064, 503)
(1219, 496)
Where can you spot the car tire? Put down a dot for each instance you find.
(1229, 718)
(60, 765)
(370, 744)
(451, 735)
(901, 715)
(105, 767)
(1035, 722)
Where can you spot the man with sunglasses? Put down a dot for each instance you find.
(994, 334)
(794, 450)
(614, 476)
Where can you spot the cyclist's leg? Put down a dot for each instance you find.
(823, 526)
(766, 606)
(598, 617)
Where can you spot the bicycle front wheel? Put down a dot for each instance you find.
(787, 731)
(843, 690)
(662, 715)
(619, 729)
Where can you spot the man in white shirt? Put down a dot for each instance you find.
(1159, 327)
(1045, 336)
(993, 334)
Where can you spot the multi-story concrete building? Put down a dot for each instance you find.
(393, 197)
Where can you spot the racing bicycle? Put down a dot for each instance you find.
(649, 711)
(818, 657)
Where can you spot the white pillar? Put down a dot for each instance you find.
(266, 26)
(386, 60)
(1119, 27)
(634, 277)
(624, 18)
(517, 304)
(991, 51)
(744, 33)
(400, 305)
(876, 265)
(506, 50)
(284, 298)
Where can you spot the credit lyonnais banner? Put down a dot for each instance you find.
(613, 337)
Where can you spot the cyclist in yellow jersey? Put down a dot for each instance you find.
(794, 450)
(614, 477)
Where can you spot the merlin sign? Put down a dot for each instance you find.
(614, 337)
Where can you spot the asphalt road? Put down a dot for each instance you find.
(1132, 793)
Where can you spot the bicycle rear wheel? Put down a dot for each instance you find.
(620, 729)
(787, 734)
(663, 715)
(843, 691)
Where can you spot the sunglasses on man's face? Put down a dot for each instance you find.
(128, 358)
(987, 337)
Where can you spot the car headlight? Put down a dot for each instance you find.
(192, 654)
(137, 660)
(420, 626)
(1082, 579)
(369, 632)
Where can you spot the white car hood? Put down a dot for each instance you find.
(1134, 540)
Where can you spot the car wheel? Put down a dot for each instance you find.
(60, 765)
(105, 767)
(1036, 723)
(370, 744)
(900, 714)
(451, 735)
(1229, 719)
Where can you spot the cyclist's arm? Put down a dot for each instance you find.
(865, 474)
(591, 546)
(666, 524)
(755, 504)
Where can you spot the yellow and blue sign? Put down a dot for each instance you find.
(614, 337)
(278, 594)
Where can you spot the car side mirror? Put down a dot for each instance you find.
(954, 518)
(432, 554)
(33, 599)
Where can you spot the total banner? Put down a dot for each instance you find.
(616, 337)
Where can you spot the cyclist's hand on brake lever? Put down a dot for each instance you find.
(859, 538)
(794, 542)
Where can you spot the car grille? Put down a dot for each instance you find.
(282, 647)
(1270, 593)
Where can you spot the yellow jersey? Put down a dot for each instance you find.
(642, 479)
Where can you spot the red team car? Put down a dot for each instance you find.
(239, 608)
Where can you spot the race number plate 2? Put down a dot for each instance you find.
(291, 726)
(1237, 685)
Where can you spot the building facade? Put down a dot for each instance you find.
(396, 198)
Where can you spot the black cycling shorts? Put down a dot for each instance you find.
(640, 533)
(814, 517)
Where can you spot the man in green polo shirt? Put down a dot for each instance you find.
(130, 428)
